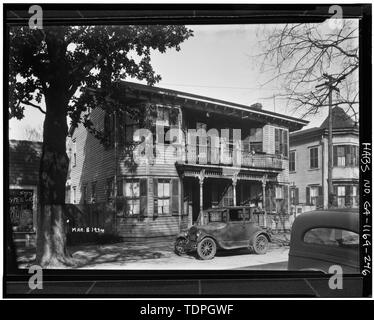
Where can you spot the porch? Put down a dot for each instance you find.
(205, 187)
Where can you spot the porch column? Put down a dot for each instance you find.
(234, 182)
(201, 183)
(263, 199)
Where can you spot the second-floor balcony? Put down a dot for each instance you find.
(235, 157)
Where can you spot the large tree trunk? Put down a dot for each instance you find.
(51, 238)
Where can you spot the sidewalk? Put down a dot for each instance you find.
(159, 254)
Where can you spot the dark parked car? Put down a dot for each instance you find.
(223, 228)
(320, 239)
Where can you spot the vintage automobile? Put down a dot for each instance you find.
(321, 239)
(223, 228)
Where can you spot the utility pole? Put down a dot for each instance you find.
(331, 85)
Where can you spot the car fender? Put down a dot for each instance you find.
(204, 235)
(258, 232)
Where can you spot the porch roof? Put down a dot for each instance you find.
(222, 172)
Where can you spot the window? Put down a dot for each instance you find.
(313, 195)
(341, 196)
(132, 195)
(256, 147)
(281, 142)
(279, 194)
(345, 155)
(74, 160)
(255, 140)
(294, 195)
(332, 237)
(162, 116)
(292, 161)
(228, 197)
(340, 156)
(313, 152)
(354, 196)
(93, 192)
(216, 216)
(163, 196)
(236, 215)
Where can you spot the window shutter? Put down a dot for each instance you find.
(348, 196)
(347, 151)
(296, 195)
(155, 194)
(307, 195)
(285, 147)
(320, 197)
(335, 196)
(174, 197)
(143, 196)
(276, 138)
(335, 156)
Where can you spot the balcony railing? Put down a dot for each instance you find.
(206, 155)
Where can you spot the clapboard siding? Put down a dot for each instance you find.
(150, 227)
(95, 163)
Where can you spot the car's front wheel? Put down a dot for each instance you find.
(180, 246)
(206, 249)
(260, 244)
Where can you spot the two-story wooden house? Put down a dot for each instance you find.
(309, 164)
(243, 159)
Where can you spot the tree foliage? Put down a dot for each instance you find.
(301, 54)
(82, 61)
(62, 71)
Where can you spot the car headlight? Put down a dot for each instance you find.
(198, 233)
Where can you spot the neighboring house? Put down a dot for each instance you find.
(163, 195)
(24, 161)
(309, 164)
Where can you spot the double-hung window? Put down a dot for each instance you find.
(313, 152)
(163, 196)
(132, 195)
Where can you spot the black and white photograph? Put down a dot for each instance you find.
(178, 140)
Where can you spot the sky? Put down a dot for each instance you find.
(219, 61)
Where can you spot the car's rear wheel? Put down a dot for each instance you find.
(206, 249)
(260, 244)
(180, 246)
